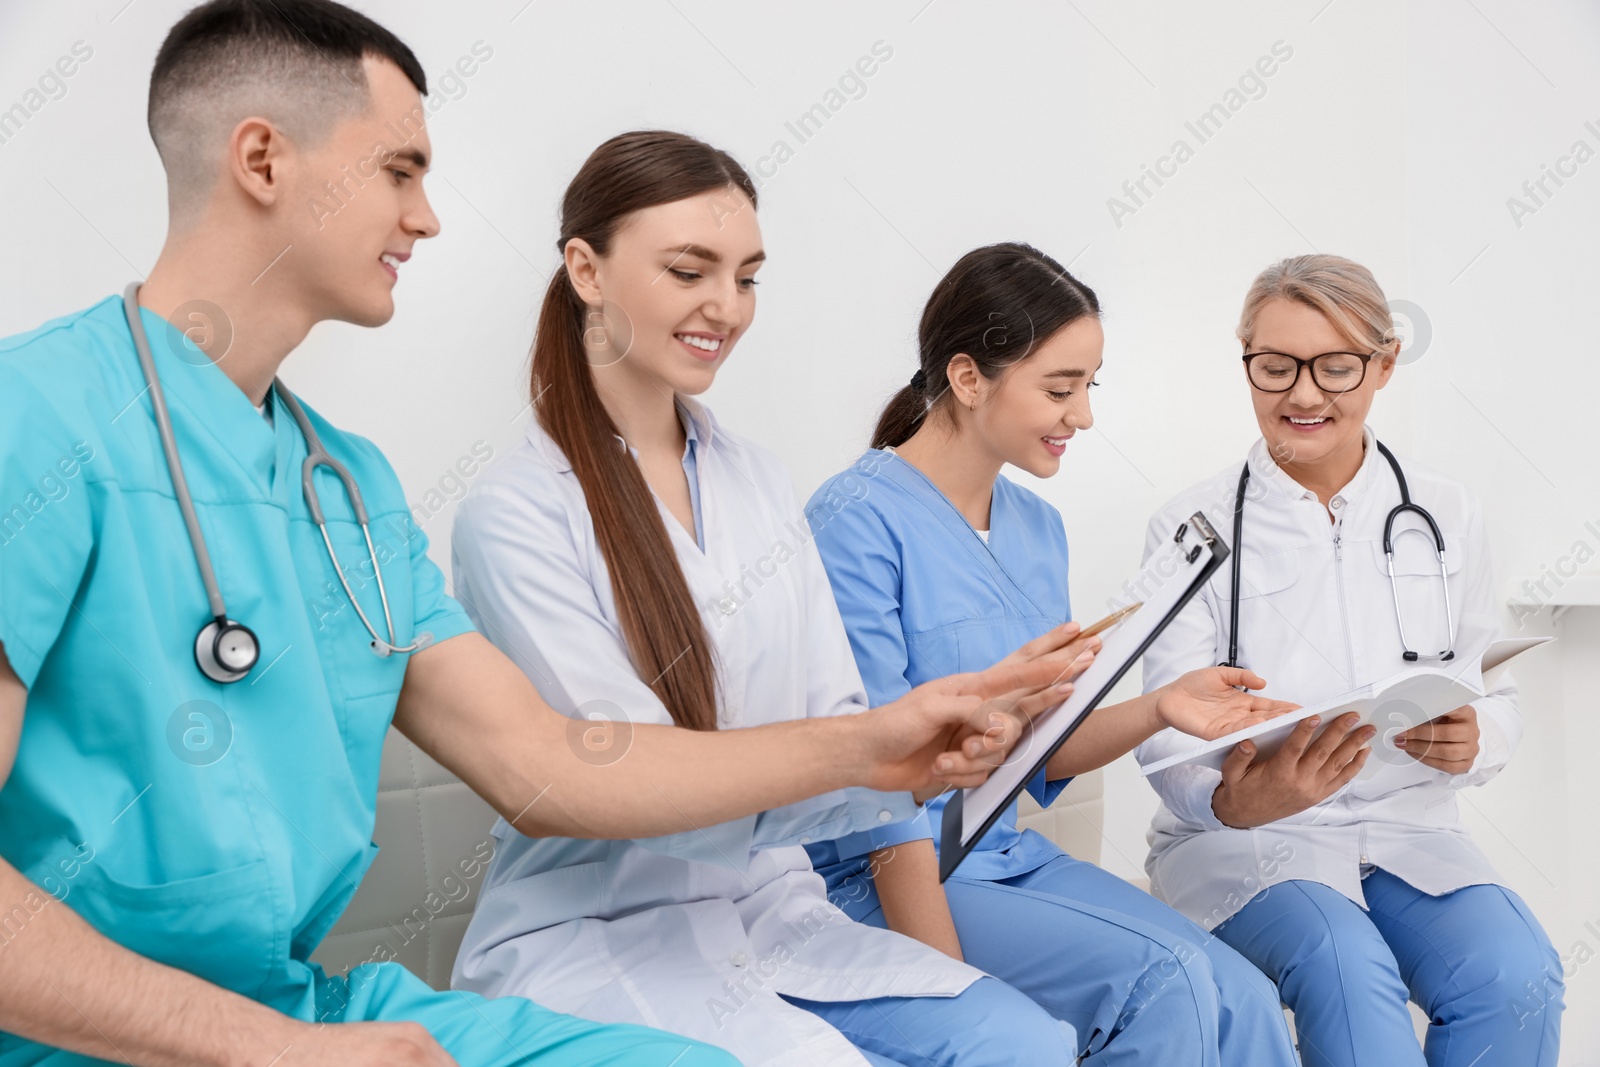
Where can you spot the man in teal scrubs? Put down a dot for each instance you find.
(172, 849)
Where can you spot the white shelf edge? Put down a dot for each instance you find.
(1582, 591)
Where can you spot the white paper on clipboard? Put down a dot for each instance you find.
(1170, 577)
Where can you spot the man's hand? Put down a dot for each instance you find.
(473, 710)
(1448, 743)
(1208, 704)
(1302, 773)
(955, 730)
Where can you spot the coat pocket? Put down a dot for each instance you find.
(1419, 585)
(1259, 575)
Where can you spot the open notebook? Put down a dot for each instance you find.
(1407, 699)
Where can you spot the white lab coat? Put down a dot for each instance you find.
(698, 932)
(1317, 619)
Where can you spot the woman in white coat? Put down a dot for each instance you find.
(1353, 892)
(633, 554)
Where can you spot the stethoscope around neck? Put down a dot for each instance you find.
(1404, 506)
(226, 650)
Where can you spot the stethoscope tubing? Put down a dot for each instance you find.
(316, 456)
(1406, 505)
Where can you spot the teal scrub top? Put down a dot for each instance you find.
(922, 596)
(220, 829)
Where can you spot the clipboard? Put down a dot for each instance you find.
(1169, 579)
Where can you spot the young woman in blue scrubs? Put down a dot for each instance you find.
(1375, 891)
(940, 563)
(633, 553)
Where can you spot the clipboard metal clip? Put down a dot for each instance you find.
(1206, 530)
(1207, 533)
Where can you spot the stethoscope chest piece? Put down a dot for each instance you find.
(225, 650)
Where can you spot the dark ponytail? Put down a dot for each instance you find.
(995, 305)
(660, 622)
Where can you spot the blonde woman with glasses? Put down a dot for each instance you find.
(1353, 892)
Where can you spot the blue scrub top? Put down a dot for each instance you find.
(220, 829)
(922, 596)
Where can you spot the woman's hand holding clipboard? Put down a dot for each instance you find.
(1170, 577)
(1068, 645)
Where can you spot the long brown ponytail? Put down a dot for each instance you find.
(660, 622)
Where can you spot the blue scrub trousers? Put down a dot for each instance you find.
(1138, 982)
(1475, 960)
(504, 1031)
(988, 1024)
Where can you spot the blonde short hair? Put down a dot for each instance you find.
(1344, 291)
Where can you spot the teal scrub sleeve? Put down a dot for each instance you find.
(433, 609)
(46, 522)
(863, 566)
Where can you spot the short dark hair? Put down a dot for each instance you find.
(296, 61)
(223, 32)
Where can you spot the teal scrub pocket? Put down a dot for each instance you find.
(220, 926)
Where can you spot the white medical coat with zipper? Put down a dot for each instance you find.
(698, 932)
(1316, 620)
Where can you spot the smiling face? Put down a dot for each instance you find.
(1305, 426)
(674, 292)
(1026, 416)
(347, 242)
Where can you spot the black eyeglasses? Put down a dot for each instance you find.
(1333, 372)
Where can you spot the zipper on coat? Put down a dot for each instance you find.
(1344, 617)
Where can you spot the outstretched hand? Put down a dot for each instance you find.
(1208, 703)
(954, 731)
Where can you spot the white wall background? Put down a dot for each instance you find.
(1395, 134)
